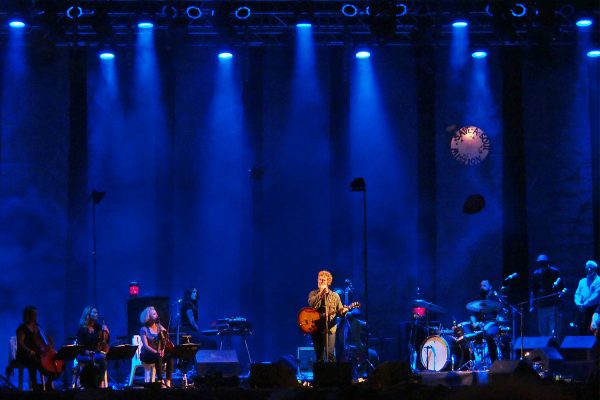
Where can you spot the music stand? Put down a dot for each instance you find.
(121, 352)
(69, 352)
(185, 351)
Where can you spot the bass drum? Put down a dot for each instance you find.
(439, 354)
(435, 354)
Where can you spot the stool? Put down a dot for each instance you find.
(136, 362)
(14, 364)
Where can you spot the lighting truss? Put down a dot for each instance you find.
(271, 21)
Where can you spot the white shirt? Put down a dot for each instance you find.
(588, 295)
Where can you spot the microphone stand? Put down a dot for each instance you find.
(326, 350)
(513, 311)
(523, 303)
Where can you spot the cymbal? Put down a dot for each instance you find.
(483, 306)
(429, 306)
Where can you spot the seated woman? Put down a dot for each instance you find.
(29, 340)
(154, 339)
(94, 337)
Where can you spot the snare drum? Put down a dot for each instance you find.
(435, 354)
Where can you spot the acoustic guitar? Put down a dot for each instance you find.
(310, 320)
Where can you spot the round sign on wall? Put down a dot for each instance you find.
(470, 145)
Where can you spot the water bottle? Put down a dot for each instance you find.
(185, 381)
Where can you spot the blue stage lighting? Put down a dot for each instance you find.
(225, 55)
(349, 10)
(193, 12)
(243, 13)
(74, 12)
(460, 24)
(303, 25)
(519, 10)
(479, 54)
(583, 23)
(16, 24)
(106, 55)
(361, 55)
(401, 10)
(593, 53)
(145, 25)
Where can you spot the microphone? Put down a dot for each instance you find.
(555, 284)
(511, 276)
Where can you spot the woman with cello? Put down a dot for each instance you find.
(155, 340)
(32, 346)
(94, 338)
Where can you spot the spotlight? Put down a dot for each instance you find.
(225, 55)
(303, 25)
(74, 12)
(193, 12)
(363, 55)
(107, 55)
(145, 25)
(16, 24)
(583, 23)
(460, 24)
(479, 54)
(518, 10)
(349, 10)
(242, 13)
(593, 53)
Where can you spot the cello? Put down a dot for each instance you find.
(49, 365)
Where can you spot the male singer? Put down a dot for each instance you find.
(546, 285)
(327, 303)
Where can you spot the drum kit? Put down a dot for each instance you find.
(466, 346)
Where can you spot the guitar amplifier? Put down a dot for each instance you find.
(306, 358)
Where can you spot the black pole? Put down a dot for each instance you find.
(365, 269)
(359, 185)
(94, 250)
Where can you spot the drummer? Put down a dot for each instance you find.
(485, 319)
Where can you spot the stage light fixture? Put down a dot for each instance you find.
(363, 55)
(401, 9)
(74, 12)
(169, 12)
(242, 13)
(349, 10)
(593, 53)
(479, 54)
(460, 24)
(225, 55)
(107, 55)
(145, 25)
(584, 22)
(15, 24)
(303, 25)
(193, 12)
(519, 10)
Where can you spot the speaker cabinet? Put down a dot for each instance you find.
(507, 371)
(276, 375)
(332, 374)
(217, 362)
(578, 348)
(135, 306)
(390, 374)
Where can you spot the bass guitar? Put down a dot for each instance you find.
(310, 320)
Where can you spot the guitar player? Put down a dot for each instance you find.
(327, 303)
